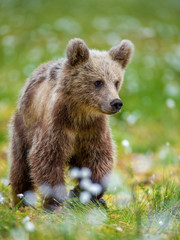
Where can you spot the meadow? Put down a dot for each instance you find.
(144, 193)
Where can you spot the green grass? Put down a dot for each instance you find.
(146, 212)
(145, 202)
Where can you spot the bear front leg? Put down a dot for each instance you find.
(96, 152)
(47, 160)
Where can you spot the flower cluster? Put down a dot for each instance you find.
(29, 197)
(29, 226)
(89, 189)
(2, 199)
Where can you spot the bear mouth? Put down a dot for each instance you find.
(110, 112)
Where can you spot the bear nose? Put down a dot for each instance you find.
(116, 104)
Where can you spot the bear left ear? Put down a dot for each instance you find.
(77, 52)
(122, 53)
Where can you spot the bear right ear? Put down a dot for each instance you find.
(77, 51)
(122, 53)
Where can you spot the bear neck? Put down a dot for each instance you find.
(77, 116)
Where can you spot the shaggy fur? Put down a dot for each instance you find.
(61, 119)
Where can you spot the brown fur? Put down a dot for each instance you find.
(61, 119)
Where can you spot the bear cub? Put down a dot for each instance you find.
(61, 121)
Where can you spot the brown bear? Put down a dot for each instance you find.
(61, 120)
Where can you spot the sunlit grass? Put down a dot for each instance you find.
(144, 211)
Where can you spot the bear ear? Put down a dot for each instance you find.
(77, 51)
(122, 53)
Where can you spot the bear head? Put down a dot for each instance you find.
(93, 78)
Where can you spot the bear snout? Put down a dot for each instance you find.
(116, 104)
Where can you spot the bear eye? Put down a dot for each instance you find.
(98, 83)
(117, 84)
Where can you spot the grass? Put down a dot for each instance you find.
(144, 204)
(136, 211)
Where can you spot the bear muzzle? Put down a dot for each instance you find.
(116, 105)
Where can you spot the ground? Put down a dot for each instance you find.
(144, 195)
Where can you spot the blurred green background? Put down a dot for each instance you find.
(35, 31)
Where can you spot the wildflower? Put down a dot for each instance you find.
(125, 143)
(46, 190)
(26, 219)
(85, 172)
(30, 197)
(95, 189)
(29, 226)
(170, 103)
(161, 223)
(2, 199)
(59, 192)
(119, 229)
(75, 173)
(20, 195)
(85, 184)
(85, 197)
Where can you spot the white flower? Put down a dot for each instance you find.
(125, 143)
(85, 184)
(153, 176)
(170, 103)
(119, 229)
(26, 219)
(59, 192)
(172, 89)
(95, 189)
(20, 195)
(75, 173)
(127, 148)
(30, 197)
(29, 226)
(161, 223)
(45, 190)
(2, 199)
(85, 197)
(85, 172)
